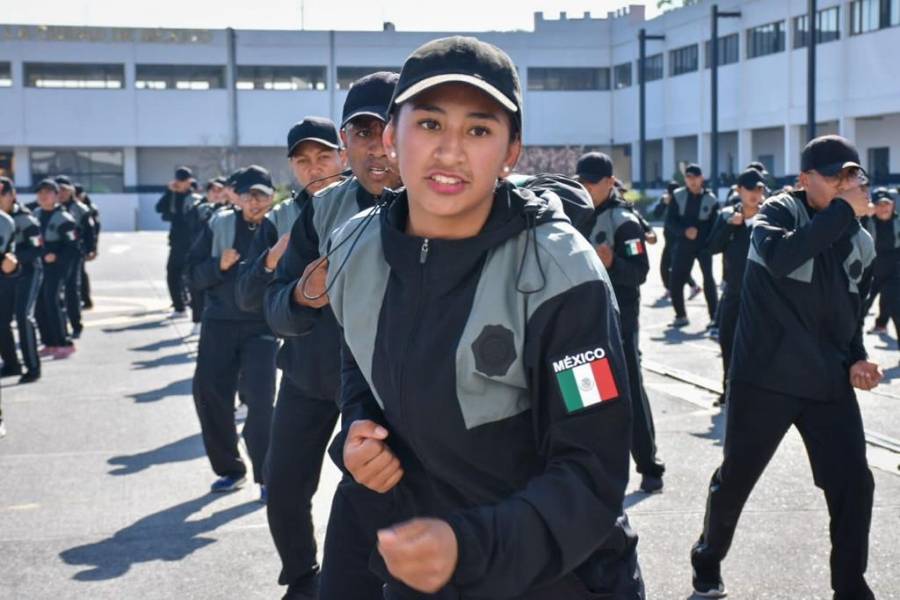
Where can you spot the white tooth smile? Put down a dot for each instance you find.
(446, 180)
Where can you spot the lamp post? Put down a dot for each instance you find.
(642, 93)
(714, 95)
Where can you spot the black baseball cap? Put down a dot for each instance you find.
(829, 155)
(47, 183)
(315, 129)
(750, 179)
(183, 174)
(64, 182)
(757, 166)
(882, 193)
(694, 169)
(370, 96)
(594, 166)
(215, 182)
(79, 189)
(462, 60)
(233, 178)
(255, 177)
(6, 185)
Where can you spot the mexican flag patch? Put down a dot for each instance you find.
(585, 379)
(634, 247)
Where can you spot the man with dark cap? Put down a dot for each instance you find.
(730, 236)
(798, 353)
(174, 206)
(236, 352)
(23, 291)
(58, 231)
(307, 408)
(884, 227)
(87, 250)
(82, 196)
(619, 239)
(659, 211)
(689, 219)
(202, 210)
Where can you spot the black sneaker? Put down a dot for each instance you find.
(679, 322)
(29, 377)
(76, 332)
(305, 588)
(10, 370)
(707, 580)
(650, 484)
(720, 401)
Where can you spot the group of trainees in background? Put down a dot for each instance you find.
(44, 285)
(477, 334)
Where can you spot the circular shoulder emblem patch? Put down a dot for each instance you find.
(856, 269)
(494, 350)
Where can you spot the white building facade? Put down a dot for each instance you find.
(120, 108)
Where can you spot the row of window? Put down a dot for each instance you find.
(182, 77)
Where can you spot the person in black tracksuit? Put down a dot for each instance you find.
(202, 210)
(174, 206)
(730, 236)
(689, 219)
(87, 302)
(619, 238)
(659, 211)
(236, 351)
(884, 227)
(484, 392)
(26, 287)
(87, 250)
(10, 268)
(798, 354)
(60, 238)
(308, 398)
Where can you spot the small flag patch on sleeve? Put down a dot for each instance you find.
(585, 379)
(634, 247)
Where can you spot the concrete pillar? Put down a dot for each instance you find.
(22, 167)
(668, 158)
(130, 167)
(703, 153)
(847, 127)
(745, 148)
(793, 145)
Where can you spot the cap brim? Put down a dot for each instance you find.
(835, 168)
(368, 111)
(260, 187)
(588, 177)
(481, 84)
(326, 143)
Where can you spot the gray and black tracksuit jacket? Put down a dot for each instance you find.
(733, 242)
(463, 349)
(800, 323)
(313, 360)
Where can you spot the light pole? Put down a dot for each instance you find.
(642, 93)
(812, 34)
(714, 95)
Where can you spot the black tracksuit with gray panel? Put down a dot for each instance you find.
(484, 368)
(307, 411)
(26, 287)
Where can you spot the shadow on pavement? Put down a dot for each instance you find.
(137, 326)
(163, 361)
(716, 430)
(182, 450)
(676, 336)
(181, 387)
(160, 345)
(165, 535)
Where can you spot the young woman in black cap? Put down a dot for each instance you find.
(484, 390)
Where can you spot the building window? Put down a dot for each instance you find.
(729, 52)
(347, 75)
(653, 67)
(5, 74)
(287, 79)
(6, 165)
(765, 39)
(179, 77)
(622, 75)
(99, 171)
(684, 60)
(872, 15)
(567, 79)
(74, 76)
(879, 165)
(828, 27)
